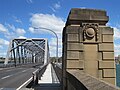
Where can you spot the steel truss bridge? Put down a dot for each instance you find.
(23, 51)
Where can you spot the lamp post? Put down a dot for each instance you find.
(54, 34)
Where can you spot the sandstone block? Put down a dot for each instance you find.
(110, 80)
(106, 47)
(100, 56)
(91, 67)
(73, 37)
(75, 46)
(72, 29)
(75, 64)
(100, 74)
(109, 73)
(90, 52)
(106, 30)
(107, 38)
(106, 64)
(72, 54)
(108, 55)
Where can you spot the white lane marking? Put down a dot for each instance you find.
(24, 70)
(1, 69)
(24, 84)
(6, 76)
(1, 88)
(9, 70)
(13, 74)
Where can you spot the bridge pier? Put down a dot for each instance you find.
(88, 45)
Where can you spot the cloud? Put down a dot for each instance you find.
(49, 21)
(29, 1)
(31, 29)
(11, 27)
(3, 29)
(20, 31)
(1, 46)
(116, 33)
(22, 37)
(56, 6)
(117, 49)
(3, 42)
(13, 31)
(17, 20)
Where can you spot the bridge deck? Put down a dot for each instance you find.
(49, 81)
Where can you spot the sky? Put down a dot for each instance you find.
(17, 17)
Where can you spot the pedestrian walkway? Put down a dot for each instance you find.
(49, 80)
(49, 76)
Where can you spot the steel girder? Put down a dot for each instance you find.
(23, 51)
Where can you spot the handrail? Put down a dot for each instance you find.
(58, 71)
(38, 74)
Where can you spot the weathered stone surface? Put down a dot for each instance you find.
(110, 80)
(73, 55)
(87, 15)
(93, 40)
(106, 30)
(73, 37)
(90, 59)
(109, 73)
(75, 46)
(108, 55)
(91, 67)
(75, 64)
(106, 47)
(100, 74)
(72, 29)
(88, 40)
(92, 83)
(106, 64)
(107, 38)
(100, 56)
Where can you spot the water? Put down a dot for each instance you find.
(118, 75)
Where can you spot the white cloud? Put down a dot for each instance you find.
(1, 46)
(116, 33)
(51, 22)
(2, 54)
(20, 31)
(3, 42)
(116, 40)
(31, 29)
(3, 29)
(56, 6)
(53, 46)
(53, 42)
(116, 50)
(47, 21)
(11, 27)
(17, 20)
(29, 1)
(22, 37)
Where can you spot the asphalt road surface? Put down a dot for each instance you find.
(14, 77)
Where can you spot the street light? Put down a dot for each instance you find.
(54, 34)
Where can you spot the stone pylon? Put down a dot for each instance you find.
(88, 44)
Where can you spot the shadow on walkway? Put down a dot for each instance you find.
(48, 86)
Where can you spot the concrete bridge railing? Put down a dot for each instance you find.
(78, 80)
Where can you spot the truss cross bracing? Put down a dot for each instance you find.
(22, 51)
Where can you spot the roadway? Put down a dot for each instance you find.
(15, 77)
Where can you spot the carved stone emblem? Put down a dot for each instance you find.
(90, 31)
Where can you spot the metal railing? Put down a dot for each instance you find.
(38, 74)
